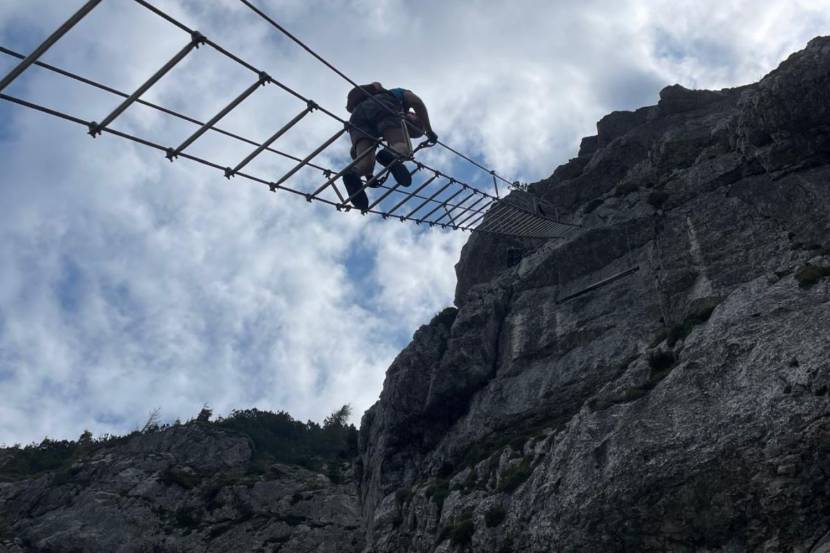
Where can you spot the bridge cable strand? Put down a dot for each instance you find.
(345, 77)
(161, 148)
(167, 111)
(323, 110)
(219, 167)
(453, 186)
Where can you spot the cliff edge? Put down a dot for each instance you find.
(682, 407)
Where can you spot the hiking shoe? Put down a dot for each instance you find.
(353, 184)
(396, 167)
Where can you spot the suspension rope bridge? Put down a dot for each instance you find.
(435, 201)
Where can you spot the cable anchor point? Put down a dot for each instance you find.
(197, 39)
(94, 129)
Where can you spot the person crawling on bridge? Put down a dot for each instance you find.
(380, 113)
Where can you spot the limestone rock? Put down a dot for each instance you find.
(187, 488)
(682, 407)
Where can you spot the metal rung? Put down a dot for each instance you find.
(263, 78)
(96, 128)
(439, 206)
(46, 44)
(308, 158)
(599, 284)
(480, 199)
(425, 202)
(530, 225)
(390, 190)
(448, 212)
(497, 214)
(270, 141)
(339, 174)
(413, 194)
(476, 214)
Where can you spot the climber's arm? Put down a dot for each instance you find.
(421, 111)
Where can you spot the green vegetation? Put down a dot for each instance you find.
(403, 496)
(517, 444)
(626, 188)
(461, 532)
(661, 361)
(51, 456)
(699, 313)
(470, 482)
(532, 426)
(661, 364)
(657, 198)
(186, 518)
(592, 205)
(494, 516)
(176, 476)
(276, 438)
(515, 476)
(34, 459)
(438, 492)
(444, 318)
(809, 275)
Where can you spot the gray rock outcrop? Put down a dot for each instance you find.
(682, 407)
(190, 488)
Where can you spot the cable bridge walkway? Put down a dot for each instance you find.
(437, 200)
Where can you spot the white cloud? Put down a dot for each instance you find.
(128, 283)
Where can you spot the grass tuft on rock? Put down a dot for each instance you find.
(698, 313)
(438, 492)
(808, 275)
(461, 533)
(494, 516)
(445, 318)
(515, 476)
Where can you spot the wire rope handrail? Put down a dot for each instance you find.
(468, 213)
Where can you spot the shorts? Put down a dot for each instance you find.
(374, 115)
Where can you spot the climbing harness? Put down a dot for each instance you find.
(442, 200)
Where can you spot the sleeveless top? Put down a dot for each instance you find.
(398, 93)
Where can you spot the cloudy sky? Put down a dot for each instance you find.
(128, 283)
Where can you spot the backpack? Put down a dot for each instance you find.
(358, 94)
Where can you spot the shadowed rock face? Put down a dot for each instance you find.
(185, 489)
(684, 407)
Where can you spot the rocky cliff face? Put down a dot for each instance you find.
(191, 488)
(682, 407)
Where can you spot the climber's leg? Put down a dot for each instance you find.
(363, 167)
(398, 141)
